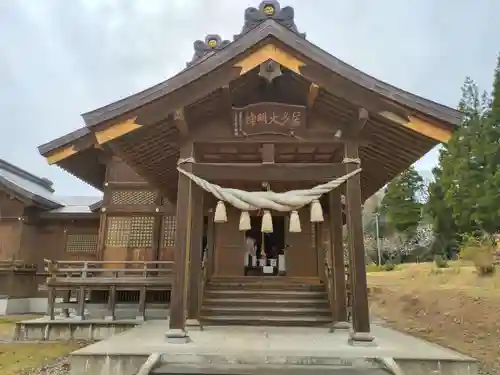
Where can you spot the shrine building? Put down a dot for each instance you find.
(233, 191)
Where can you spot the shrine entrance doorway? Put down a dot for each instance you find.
(265, 252)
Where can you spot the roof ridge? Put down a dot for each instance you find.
(42, 181)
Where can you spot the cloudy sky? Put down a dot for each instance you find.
(60, 58)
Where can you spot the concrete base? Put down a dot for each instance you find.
(257, 350)
(65, 329)
(18, 306)
(341, 325)
(177, 336)
(192, 324)
(361, 339)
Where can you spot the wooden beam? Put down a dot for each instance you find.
(309, 140)
(312, 95)
(117, 130)
(61, 154)
(269, 52)
(268, 172)
(429, 130)
(180, 122)
(420, 126)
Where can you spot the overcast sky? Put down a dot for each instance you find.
(60, 58)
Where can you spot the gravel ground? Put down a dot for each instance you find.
(58, 367)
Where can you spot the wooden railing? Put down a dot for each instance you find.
(110, 276)
(16, 266)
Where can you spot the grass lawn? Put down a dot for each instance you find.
(453, 307)
(17, 358)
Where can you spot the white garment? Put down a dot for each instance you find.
(250, 246)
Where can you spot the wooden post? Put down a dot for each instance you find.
(111, 303)
(360, 311)
(80, 314)
(335, 222)
(66, 300)
(141, 315)
(51, 302)
(177, 332)
(196, 251)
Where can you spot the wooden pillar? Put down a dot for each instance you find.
(196, 251)
(210, 244)
(338, 286)
(319, 245)
(360, 312)
(184, 208)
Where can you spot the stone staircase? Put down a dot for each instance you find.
(265, 301)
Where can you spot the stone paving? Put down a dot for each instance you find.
(265, 346)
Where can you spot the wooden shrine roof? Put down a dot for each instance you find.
(401, 129)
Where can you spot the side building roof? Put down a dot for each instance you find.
(39, 191)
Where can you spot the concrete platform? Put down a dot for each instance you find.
(262, 350)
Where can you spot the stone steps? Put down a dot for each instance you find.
(267, 320)
(272, 302)
(250, 302)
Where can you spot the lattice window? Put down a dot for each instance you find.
(133, 231)
(81, 243)
(133, 197)
(169, 227)
(141, 234)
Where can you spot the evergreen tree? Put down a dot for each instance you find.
(400, 204)
(465, 197)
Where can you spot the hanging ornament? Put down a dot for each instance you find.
(267, 222)
(220, 215)
(245, 221)
(294, 226)
(316, 212)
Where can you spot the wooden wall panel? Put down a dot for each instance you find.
(10, 235)
(10, 207)
(66, 240)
